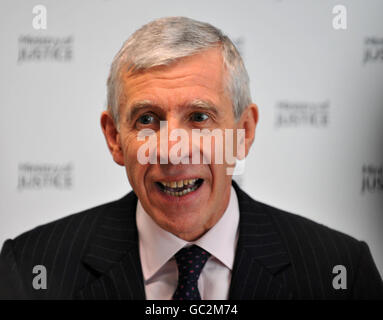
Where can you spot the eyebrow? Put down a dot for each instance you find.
(203, 104)
(139, 106)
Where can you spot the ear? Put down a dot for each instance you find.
(248, 122)
(112, 137)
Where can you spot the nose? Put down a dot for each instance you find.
(174, 142)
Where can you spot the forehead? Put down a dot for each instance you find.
(201, 76)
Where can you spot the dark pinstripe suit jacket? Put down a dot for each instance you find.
(94, 255)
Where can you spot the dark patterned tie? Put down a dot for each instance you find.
(190, 262)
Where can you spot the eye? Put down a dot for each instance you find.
(146, 119)
(199, 116)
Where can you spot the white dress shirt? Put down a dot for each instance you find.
(158, 247)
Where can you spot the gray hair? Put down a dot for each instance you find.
(165, 40)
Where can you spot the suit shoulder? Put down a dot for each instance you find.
(318, 251)
(300, 231)
(296, 223)
(303, 235)
(59, 246)
(293, 225)
(56, 233)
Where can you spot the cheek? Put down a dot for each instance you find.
(222, 150)
(130, 146)
(134, 169)
(221, 183)
(219, 175)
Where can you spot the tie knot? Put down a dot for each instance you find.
(190, 261)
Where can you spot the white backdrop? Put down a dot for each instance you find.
(318, 150)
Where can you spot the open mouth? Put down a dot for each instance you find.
(181, 187)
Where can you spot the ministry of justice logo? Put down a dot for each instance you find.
(45, 176)
(373, 50)
(45, 48)
(297, 114)
(372, 180)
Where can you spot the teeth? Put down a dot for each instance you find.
(179, 184)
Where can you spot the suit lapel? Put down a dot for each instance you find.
(261, 257)
(113, 254)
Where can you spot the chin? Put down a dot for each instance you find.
(184, 226)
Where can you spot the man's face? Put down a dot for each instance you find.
(169, 93)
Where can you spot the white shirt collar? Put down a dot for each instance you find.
(158, 246)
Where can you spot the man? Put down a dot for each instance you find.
(186, 231)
